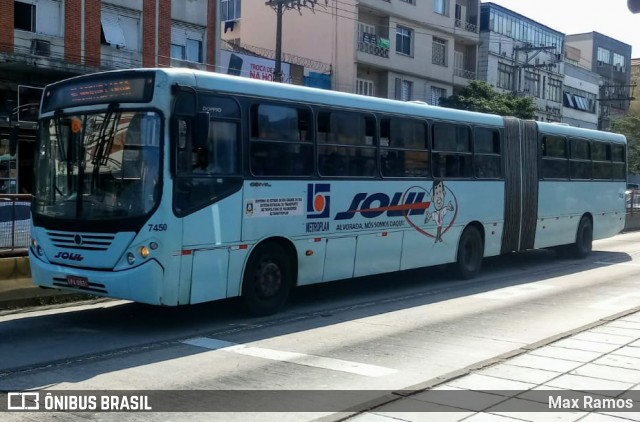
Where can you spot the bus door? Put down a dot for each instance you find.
(521, 185)
(207, 194)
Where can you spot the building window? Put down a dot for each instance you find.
(24, 16)
(505, 76)
(436, 94)
(579, 100)
(403, 40)
(121, 28)
(441, 7)
(555, 90)
(404, 90)
(619, 62)
(365, 87)
(43, 17)
(408, 1)
(439, 53)
(186, 42)
(604, 56)
(229, 10)
(532, 84)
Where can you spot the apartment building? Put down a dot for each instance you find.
(611, 59)
(522, 56)
(580, 92)
(405, 49)
(635, 82)
(48, 40)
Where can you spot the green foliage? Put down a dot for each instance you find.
(629, 126)
(480, 96)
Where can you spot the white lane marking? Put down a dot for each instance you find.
(292, 357)
(514, 291)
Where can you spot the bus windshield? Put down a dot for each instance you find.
(98, 166)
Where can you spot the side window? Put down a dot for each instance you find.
(487, 158)
(580, 155)
(404, 148)
(601, 156)
(281, 140)
(618, 158)
(346, 144)
(452, 157)
(555, 162)
(206, 173)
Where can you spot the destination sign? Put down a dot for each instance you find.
(121, 88)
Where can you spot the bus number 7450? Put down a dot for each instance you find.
(157, 227)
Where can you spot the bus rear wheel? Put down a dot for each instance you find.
(584, 239)
(267, 280)
(470, 253)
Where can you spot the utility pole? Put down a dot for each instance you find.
(279, 6)
(277, 72)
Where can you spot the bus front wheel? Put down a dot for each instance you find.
(267, 280)
(470, 252)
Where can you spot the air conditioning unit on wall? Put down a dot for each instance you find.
(40, 48)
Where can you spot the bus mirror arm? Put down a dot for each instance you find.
(201, 132)
(13, 140)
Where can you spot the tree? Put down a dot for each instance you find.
(480, 96)
(629, 126)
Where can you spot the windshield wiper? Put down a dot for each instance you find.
(105, 141)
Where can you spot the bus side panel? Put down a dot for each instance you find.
(209, 275)
(209, 234)
(340, 258)
(562, 204)
(419, 251)
(237, 260)
(560, 207)
(378, 253)
(311, 256)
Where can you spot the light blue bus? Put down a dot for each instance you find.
(175, 186)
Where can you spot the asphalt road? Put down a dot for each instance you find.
(398, 331)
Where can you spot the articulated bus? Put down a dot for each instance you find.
(175, 186)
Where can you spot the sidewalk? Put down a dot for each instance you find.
(17, 289)
(596, 366)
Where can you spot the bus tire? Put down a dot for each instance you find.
(267, 280)
(584, 239)
(470, 253)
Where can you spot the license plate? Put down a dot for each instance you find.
(76, 281)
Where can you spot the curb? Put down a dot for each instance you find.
(15, 267)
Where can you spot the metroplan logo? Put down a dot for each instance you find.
(318, 200)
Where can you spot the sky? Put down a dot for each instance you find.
(610, 17)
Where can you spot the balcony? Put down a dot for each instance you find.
(374, 48)
(464, 73)
(467, 26)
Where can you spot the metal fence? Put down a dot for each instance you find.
(632, 200)
(15, 224)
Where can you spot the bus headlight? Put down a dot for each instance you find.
(144, 251)
(131, 259)
(36, 248)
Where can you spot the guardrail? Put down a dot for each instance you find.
(15, 224)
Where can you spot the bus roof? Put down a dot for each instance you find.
(253, 87)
